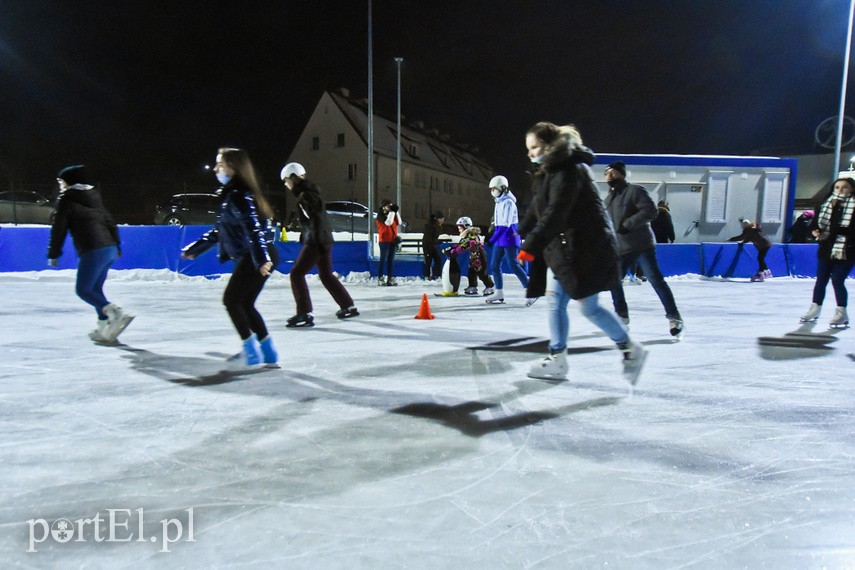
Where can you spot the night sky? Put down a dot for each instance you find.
(146, 91)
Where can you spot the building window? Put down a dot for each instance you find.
(340, 140)
(316, 143)
(351, 171)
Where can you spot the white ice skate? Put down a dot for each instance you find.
(676, 328)
(497, 297)
(489, 291)
(812, 314)
(840, 319)
(100, 332)
(634, 357)
(118, 320)
(552, 367)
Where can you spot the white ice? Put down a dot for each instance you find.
(390, 442)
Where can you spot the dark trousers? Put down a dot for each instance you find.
(433, 263)
(387, 256)
(321, 256)
(761, 259)
(836, 270)
(647, 261)
(243, 289)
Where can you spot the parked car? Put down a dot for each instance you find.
(347, 216)
(189, 209)
(25, 207)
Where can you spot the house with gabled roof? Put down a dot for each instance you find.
(437, 174)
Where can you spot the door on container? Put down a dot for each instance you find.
(685, 202)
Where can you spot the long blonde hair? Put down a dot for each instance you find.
(238, 160)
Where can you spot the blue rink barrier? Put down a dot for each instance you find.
(159, 247)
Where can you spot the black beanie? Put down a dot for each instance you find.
(620, 167)
(73, 175)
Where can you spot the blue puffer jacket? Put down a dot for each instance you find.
(239, 230)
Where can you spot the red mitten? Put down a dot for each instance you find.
(525, 256)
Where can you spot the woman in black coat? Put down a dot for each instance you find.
(81, 211)
(567, 224)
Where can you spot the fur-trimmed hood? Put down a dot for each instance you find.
(562, 152)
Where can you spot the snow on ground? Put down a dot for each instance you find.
(389, 442)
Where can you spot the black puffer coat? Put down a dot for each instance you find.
(313, 214)
(567, 223)
(82, 213)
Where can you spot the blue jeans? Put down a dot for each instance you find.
(510, 253)
(387, 256)
(559, 320)
(91, 274)
(647, 260)
(837, 270)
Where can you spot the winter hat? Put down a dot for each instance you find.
(619, 166)
(807, 214)
(73, 175)
(745, 222)
(439, 215)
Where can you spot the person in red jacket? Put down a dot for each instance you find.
(388, 219)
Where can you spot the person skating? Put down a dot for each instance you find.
(468, 242)
(752, 232)
(568, 227)
(80, 210)
(834, 229)
(317, 239)
(505, 239)
(242, 235)
(430, 247)
(388, 221)
(631, 211)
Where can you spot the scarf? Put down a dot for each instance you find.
(846, 208)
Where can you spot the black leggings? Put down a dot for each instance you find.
(243, 289)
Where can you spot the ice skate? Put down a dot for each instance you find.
(489, 291)
(301, 320)
(390, 282)
(552, 367)
(529, 301)
(634, 357)
(757, 277)
(840, 319)
(117, 321)
(676, 328)
(268, 352)
(470, 291)
(100, 332)
(497, 297)
(624, 319)
(252, 351)
(812, 314)
(767, 274)
(347, 313)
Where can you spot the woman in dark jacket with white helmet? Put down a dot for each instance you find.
(567, 224)
(317, 240)
(241, 234)
(80, 210)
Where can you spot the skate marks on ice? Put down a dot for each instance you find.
(798, 344)
(187, 370)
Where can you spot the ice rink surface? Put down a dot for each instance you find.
(389, 442)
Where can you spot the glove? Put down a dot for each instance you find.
(393, 207)
(525, 256)
(53, 262)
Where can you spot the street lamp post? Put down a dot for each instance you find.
(398, 61)
(371, 131)
(840, 116)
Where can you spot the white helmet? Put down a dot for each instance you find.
(292, 168)
(499, 182)
(464, 221)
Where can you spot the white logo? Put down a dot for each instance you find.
(119, 525)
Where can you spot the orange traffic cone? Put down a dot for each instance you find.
(424, 310)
